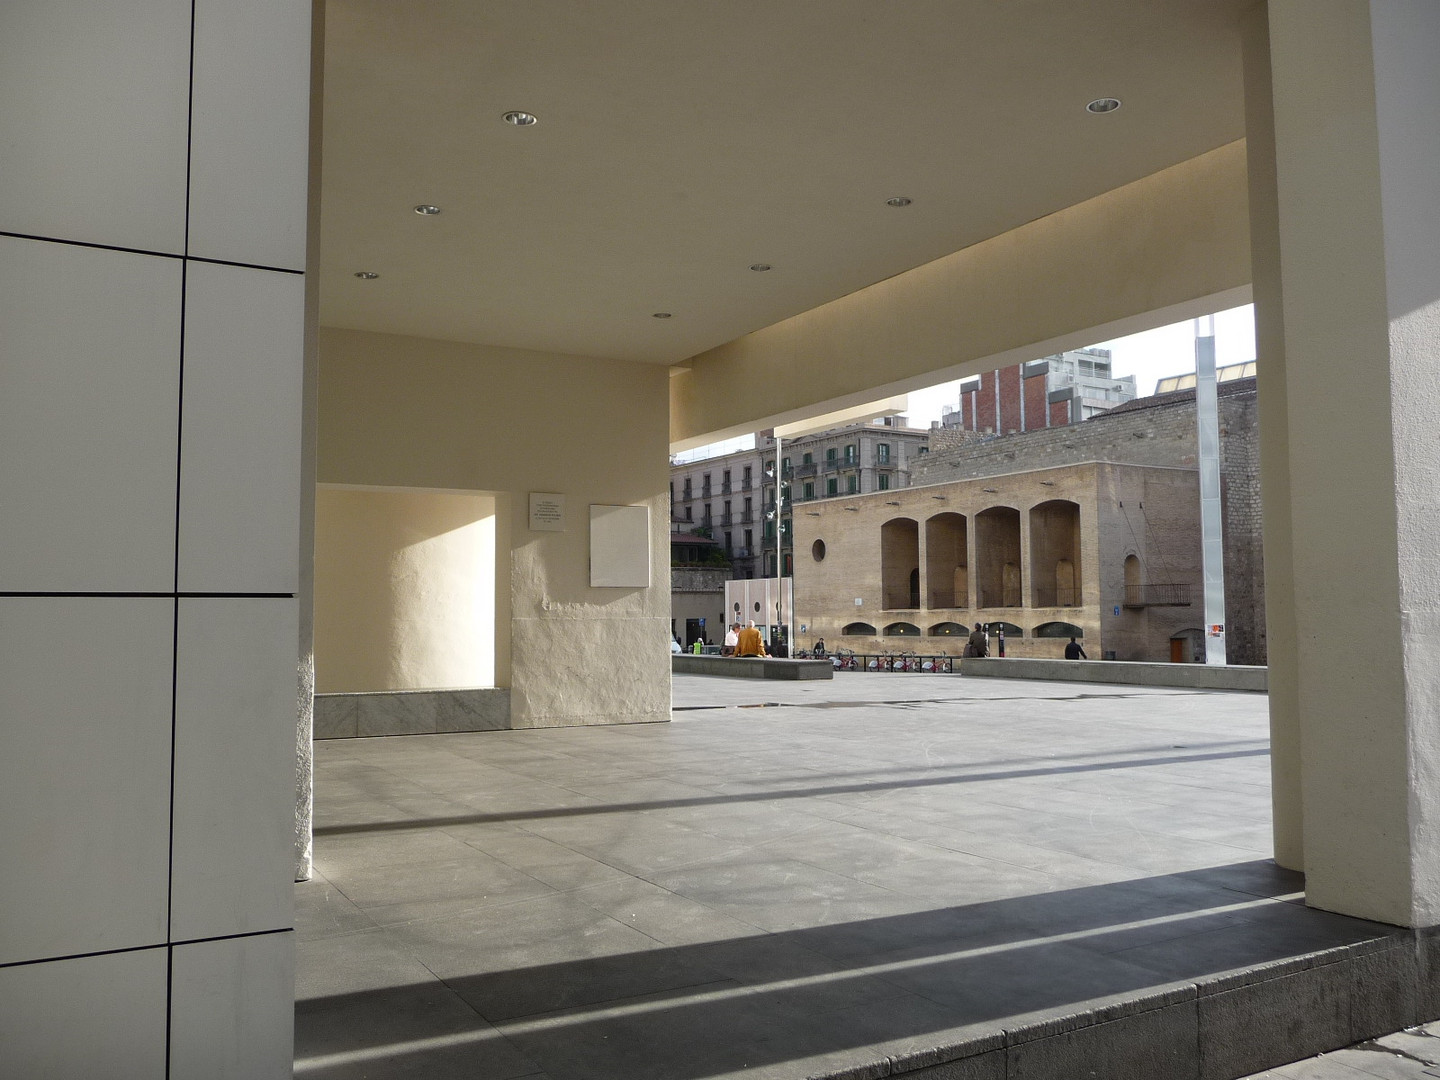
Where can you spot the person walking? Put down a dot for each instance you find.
(1074, 651)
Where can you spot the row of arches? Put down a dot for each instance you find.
(1000, 569)
(954, 629)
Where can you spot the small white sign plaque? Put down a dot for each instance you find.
(547, 512)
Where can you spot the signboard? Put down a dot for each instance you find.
(547, 512)
(619, 547)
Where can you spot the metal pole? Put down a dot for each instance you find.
(1212, 543)
(784, 625)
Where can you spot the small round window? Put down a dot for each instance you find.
(818, 550)
(757, 607)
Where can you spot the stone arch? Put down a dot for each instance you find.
(1134, 579)
(858, 629)
(1058, 630)
(946, 561)
(900, 563)
(948, 629)
(1055, 553)
(999, 580)
(902, 629)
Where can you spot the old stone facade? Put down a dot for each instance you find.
(1044, 552)
(732, 497)
(1110, 506)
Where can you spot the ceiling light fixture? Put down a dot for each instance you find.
(899, 200)
(520, 119)
(426, 210)
(1103, 105)
(661, 315)
(366, 275)
(760, 268)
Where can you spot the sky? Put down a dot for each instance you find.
(1149, 356)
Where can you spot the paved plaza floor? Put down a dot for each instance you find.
(788, 880)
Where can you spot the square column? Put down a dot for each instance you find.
(152, 356)
(1342, 103)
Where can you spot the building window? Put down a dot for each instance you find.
(882, 453)
(689, 513)
(749, 541)
(924, 450)
(725, 479)
(832, 486)
(785, 466)
(852, 483)
(749, 508)
(687, 487)
(727, 513)
(851, 454)
(808, 458)
(830, 454)
(746, 476)
(729, 543)
(884, 481)
(706, 518)
(809, 489)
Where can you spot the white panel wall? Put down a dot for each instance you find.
(151, 359)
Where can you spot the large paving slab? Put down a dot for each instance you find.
(877, 875)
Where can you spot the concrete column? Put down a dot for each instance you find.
(153, 227)
(1343, 98)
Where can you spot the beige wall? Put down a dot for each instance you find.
(1171, 245)
(403, 412)
(404, 590)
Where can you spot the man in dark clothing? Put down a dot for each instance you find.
(978, 643)
(1073, 651)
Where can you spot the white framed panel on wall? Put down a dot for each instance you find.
(619, 547)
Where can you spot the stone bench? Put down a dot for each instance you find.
(749, 667)
(1125, 672)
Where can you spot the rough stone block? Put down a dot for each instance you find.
(1384, 990)
(1275, 1021)
(1427, 977)
(989, 1066)
(1158, 1043)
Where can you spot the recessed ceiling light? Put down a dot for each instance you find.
(1103, 105)
(661, 315)
(366, 275)
(520, 119)
(760, 268)
(899, 200)
(426, 210)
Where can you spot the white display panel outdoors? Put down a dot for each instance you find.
(620, 547)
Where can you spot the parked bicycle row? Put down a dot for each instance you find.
(845, 660)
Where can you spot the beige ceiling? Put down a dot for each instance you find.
(681, 141)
